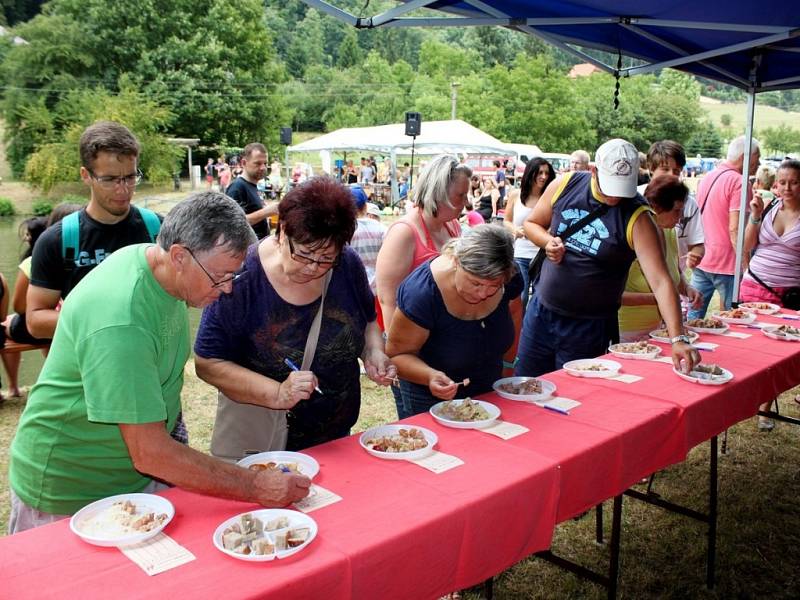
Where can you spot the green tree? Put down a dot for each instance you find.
(706, 141)
(57, 161)
(781, 140)
(726, 120)
(678, 83)
(348, 55)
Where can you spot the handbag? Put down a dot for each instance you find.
(536, 264)
(243, 429)
(790, 298)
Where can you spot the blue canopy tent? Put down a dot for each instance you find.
(754, 46)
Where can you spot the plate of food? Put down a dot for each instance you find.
(266, 534)
(736, 316)
(708, 374)
(662, 335)
(782, 332)
(285, 461)
(465, 414)
(398, 442)
(525, 389)
(122, 520)
(635, 350)
(715, 326)
(593, 367)
(762, 308)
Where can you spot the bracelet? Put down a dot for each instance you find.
(755, 221)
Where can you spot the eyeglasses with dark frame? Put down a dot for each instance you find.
(111, 181)
(308, 260)
(214, 283)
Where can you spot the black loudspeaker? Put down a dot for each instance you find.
(413, 123)
(286, 136)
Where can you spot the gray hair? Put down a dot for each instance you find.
(581, 156)
(433, 188)
(485, 251)
(736, 148)
(204, 221)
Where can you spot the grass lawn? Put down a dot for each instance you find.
(765, 116)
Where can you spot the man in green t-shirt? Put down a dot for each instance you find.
(97, 421)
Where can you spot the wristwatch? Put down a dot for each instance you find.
(680, 338)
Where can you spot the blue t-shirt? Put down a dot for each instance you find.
(255, 328)
(455, 346)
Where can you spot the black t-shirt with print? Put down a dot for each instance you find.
(247, 196)
(97, 240)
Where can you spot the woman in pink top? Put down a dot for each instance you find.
(774, 241)
(439, 198)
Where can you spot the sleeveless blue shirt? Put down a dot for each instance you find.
(589, 281)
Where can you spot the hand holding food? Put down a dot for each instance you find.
(555, 250)
(684, 357)
(276, 488)
(693, 259)
(695, 298)
(441, 386)
(379, 368)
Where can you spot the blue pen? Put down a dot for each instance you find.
(294, 367)
(555, 409)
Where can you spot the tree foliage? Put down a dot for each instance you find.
(780, 140)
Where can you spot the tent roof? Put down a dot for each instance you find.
(436, 137)
(750, 45)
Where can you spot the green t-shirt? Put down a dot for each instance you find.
(117, 357)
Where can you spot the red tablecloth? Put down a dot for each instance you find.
(401, 531)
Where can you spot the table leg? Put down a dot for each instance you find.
(712, 516)
(599, 524)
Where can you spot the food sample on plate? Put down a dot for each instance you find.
(248, 536)
(635, 348)
(786, 330)
(706, 323)
(467, 410)
(709, 371)
(287, 467)
(736, 313)
(591, 367)
(664, 334)
(757, 305)
(122, 519)
(529, 386)
(405, 440)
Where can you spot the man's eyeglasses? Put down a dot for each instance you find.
(310, 260)
(214, 282)
(110, 181)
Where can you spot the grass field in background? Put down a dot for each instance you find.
(765, 116)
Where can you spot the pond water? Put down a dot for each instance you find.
(10, 249)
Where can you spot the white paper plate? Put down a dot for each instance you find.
(693, 337)
(653, 352)
(750, 306)
(145, 503)
(612, 367)
(494, 414)
(770, 332)
(296, 519)
(721, 380)
(751, 316)
(385, 430)
(307, 464)
(548, 389)
(712, 330)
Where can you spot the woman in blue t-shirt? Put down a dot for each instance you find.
(453, 324)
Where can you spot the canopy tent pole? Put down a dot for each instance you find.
(748, 142)
(395, 188)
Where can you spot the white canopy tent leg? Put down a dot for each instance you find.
(395, 188)
(743, 205)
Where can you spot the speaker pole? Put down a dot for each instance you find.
(411, 174)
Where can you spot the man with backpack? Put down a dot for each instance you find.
(68, 251)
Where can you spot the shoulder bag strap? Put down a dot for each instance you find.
(708, 193)
(70, 236)
(757, 279)
(151, 222)
(316, 325)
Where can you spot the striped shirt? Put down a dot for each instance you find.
(367, 241)
(777, 259)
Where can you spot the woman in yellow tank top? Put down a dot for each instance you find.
(639, 313)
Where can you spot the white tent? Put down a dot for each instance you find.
(436, 137)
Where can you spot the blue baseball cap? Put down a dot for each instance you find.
(359, 196)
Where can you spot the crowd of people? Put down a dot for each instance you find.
(292, 316)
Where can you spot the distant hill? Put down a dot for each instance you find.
(765, 116)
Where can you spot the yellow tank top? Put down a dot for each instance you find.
(647, 318)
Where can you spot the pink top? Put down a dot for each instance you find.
(425, 250)
(777, 258)
(718, 195)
